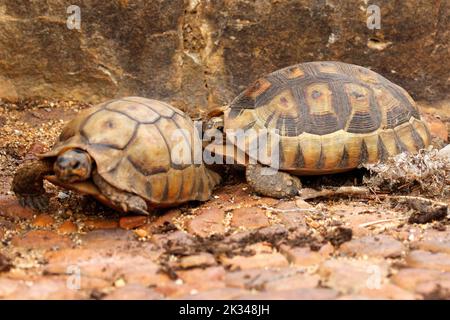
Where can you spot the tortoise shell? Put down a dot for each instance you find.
(144, 147)
(327, 117)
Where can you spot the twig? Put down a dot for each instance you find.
(307, 194)
(413, 200)
(287, 210)
(371, 223)
(424, 210)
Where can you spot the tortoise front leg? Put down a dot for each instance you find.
(28, 184)
(272, 183)
(128, 202)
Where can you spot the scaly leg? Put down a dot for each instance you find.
(28, 184)
(272, 183)
(119, 198)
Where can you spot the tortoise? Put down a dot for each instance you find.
(132, 154)
(318, 118)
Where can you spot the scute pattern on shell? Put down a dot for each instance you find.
(329, 116)
(138, 148)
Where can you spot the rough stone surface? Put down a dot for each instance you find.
(67, 227)
(353, 275)
(364, 219)
(95, 224)
(302, 257)
(428, 260)
(107, 238)
(43, 220)
(434, 241)
(44, 289)
(377, 246)
(435, 289)
(216, 294)
(411, 278)
(249, 218)
(261, 260)
(194, 281)
(200, 260)
(256, 279)
(110, 265)
(388, 291)
(40, 239)
(133, 292)
(298, 294)
(293, 219)
(199, 54)
(199, 276)
(297, 281)
(207, 222)
(12, 209)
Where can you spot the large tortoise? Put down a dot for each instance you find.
(133, 154)
(329, 116)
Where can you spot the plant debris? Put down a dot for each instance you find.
(425, 210)
(426, 173)
(339, 235)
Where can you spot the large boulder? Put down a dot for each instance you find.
(199, 54)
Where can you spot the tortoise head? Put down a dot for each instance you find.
(215, 120)
(215, 123)
(73, 165)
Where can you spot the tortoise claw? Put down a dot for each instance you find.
(136, 206)
(37, 202)
(139, 211)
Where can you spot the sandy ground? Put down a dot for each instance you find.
(235, 246)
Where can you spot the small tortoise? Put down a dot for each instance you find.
(318, 118)
(133, 154)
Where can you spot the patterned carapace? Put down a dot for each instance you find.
(132, 141)
(330, 116)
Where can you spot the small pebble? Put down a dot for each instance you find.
(62, 195)
(119, 283)
(141, 233)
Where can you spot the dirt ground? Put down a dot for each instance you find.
(235, 246)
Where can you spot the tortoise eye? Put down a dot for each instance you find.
(76, 164)
(256, 85)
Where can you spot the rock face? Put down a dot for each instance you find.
(199, 54)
